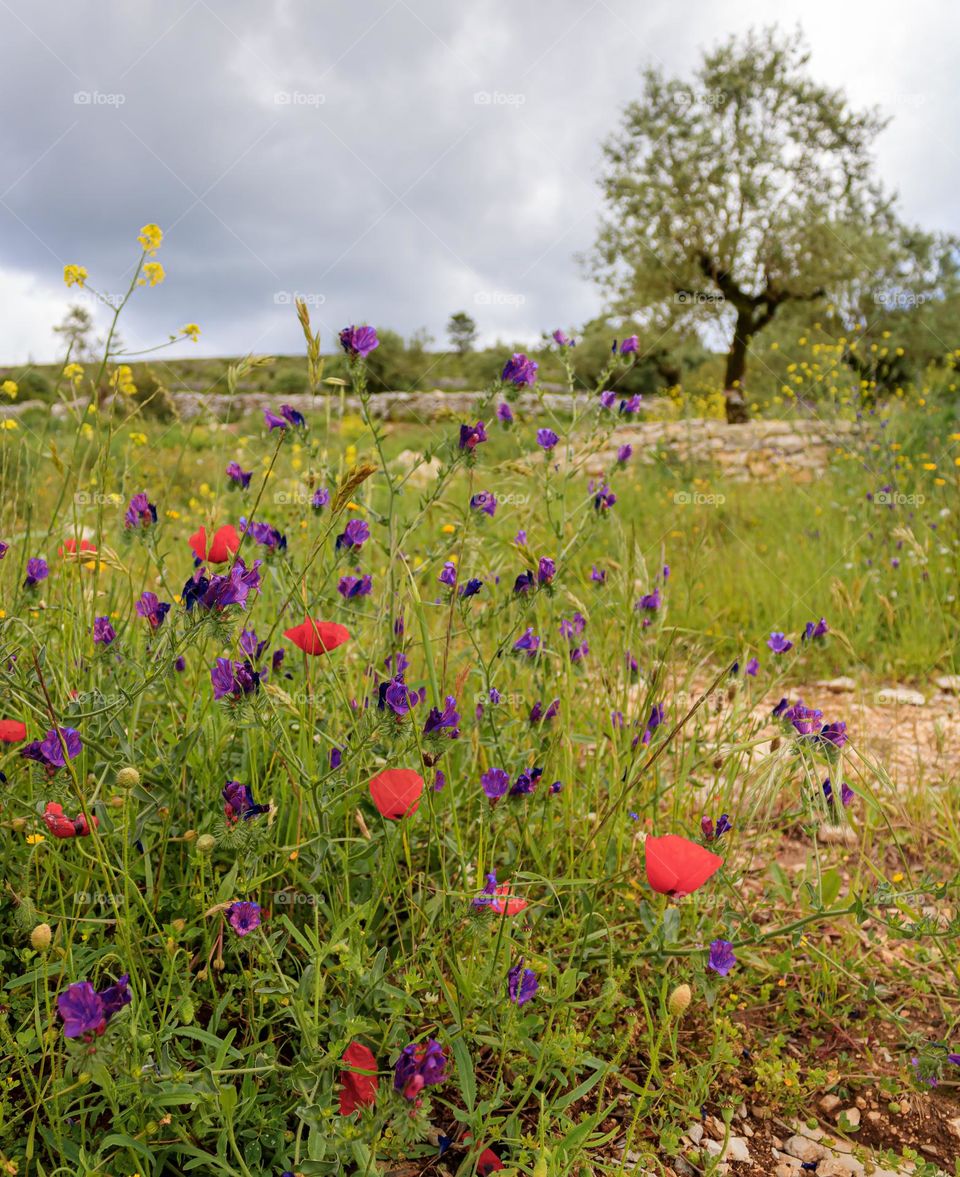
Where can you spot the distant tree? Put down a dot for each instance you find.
(738, 193)
(462, 331)
(76, 331)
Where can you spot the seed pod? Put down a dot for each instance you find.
(41, 936)
(128, 778)
(206, 843)
(679, 1000)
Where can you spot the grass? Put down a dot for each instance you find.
(227, 1059)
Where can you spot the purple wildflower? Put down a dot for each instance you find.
(140, 512)
(419, 1065)
(152, 609)
(629, 345)
(562, 340)
(264, 533)
(244, 917)
(504, 413)
(547, 439)
(722, 958)
(528, 643)
(103, 631)
(814, 629)
(522, 983)
(238, 476)
(233, 680)
(495, 784)
(359, 341)
(778, 643)
(446, 720)
(471, 588)
(320, 498)
(37, 570)
(485, 501)
(519, 371)
(448, 575)
(472, 435)
(86, 1012)
(354, 535)
(624, 453)
(238, 802)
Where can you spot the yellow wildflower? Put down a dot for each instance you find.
(150, 237)
(74, 275)
(35, 839)
(9, 388)
(192, 330)
(73, 372)
(153, 273)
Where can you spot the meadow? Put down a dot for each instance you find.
(464, 814)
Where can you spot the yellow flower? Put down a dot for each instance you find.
(9, 388)
(34, 839)
(153, 273)
(192, 330)
(929, 465)
(122, 380)
(73, 372)
(87, 430)
(897, 878)
(150, 237)
(8, 424)
(138, 438)
(74, 275)
(172, 514)
(448, 528)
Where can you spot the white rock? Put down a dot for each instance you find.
(843, 685)
(737, 1149)
(948, 682)
(851, 1116)
(804, 1149)
(695, 1133)
(829, 1104)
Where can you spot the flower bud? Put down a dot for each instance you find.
(540, 1169)
(128, 778)
(19, 824)
(41, 936)
(206, 843)
(679, 1000)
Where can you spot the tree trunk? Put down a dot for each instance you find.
(736, 367)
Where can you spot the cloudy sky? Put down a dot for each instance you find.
(392, 160)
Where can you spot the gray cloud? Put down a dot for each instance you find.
(395, 160)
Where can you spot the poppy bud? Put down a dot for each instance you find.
(19, 824)
(128, 778)
(115, 802)
(189, 835)
(678, 1001)
(41, 936)
(206, 843)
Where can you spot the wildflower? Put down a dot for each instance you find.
(523, 583)
(522, 983)
(631, 405)
(814, 629)
(150, 237)
(238, 476)
(355, 586)
(358, 1079)
(265, 534)
(317, 637)
(498, 898)
(234, 680)
(224, 543)
(86, 1012)
(140, 512)
(752, 667)
(359, 341)
(679, 1000)
(446, 720)
(598, 575)
(153, 274)
(495, 783)
(484, 501)
(191, 331)
(629, 345)
(546, 570)
(547, 439)
(238, 803)
(354, 535)
(504, 413)
(711, 833)
(655, 720)
(519, 371)
(526, 783)
(562, 340)
(4, 548)
(244, 917)
(608, 398)
(152, 609)
(538, 715)
(62, 826)
(57, 746)
(74, 275)
(676, 866)
(320, 498)
(846, 793)
(721, 958)
(439, 781)
(650, 601)
(472, 435)
(9, 388)
(624, 453)
(37, 570)
(103, 632)
(448, 574)
(396, 792)
(778, 643)
(220, 592)
(419, 1065)
(528, 643)
(12, 731)
(604, 499)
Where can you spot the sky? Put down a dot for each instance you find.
(391, 161)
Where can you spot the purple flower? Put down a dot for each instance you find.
(650, 601)
(273, 421)
(140, 512)
(522, 983)
(834, 734)
(219, 592)
(562, 340)
(778, 643)
(250, 644)
(359, 341)
(397, 696)
(180, 665)
(752, 667)
(472, 435)
(722, 958)
(439, 781)
(712, 834)
(263, 533)
(355, 586)
(4, 548)
(471, 588)
(153, 609)
(290, 414)
(546, 570)
(320, 498)
(538, 715)
(446, 720)
(655, 720)
(485, 501)
(448, 575)
(624, 453)
(526, 783)
(244, 917)
(604, 499)
(598, 575)
(846, 793)
(419, 1065)
(239, 476)
(50, 750)
(523, 583)
(37, 570)
(233, 680)
(528, 643)
(814, 629)
(238, 802)
(608, 398)
(504, 413)
(354, 535)
(632, 405)
(519, 371)
(86, 1012)
(336, 758)
(573, 627)
(103, 631)
(495, 783)
(547, 439)
(629, 345)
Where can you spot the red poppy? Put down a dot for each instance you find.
(317, 637)
(676, 866)
(62, 826)
(224, 543)
(70, 547)
(508, 903)
(12, 731)
(359, 1079)
(396, 792)
(487, 1161)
